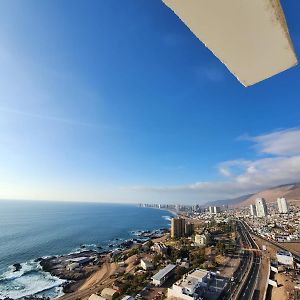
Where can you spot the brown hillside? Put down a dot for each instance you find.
(291, 192)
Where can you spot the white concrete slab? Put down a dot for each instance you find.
(249, 36)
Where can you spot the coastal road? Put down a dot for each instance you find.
(250, 283)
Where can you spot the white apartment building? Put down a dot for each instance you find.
(261, 207)
(285, 258)
(201, 239)
(282, 205)
(185, 288)
(253, 210)
(214, 209)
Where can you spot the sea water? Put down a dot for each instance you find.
(33, 229)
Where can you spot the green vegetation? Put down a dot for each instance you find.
(132, 284)
(197, 258)
(179, 272)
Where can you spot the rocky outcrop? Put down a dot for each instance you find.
(17, 267)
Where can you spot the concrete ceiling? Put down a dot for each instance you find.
(249, 36)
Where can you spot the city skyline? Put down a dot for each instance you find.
(90, 112)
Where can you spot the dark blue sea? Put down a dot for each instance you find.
(32, 229)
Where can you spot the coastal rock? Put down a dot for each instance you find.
(127, 244)
(39, 259)
(17, 267)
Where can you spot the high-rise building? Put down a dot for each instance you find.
(282, 205)
(253, 210)
(214, 209)
(217, 209)
(261, 207)
(177, 227)
(189, 229)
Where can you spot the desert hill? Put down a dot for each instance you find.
(290, 191)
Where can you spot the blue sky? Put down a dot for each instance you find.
(118, 101)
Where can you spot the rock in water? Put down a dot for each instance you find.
(17, 267)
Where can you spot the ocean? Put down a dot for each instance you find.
(32, 229)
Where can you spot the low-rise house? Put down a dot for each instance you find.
(285, 258)
(122, 264)
(127, 298)
(160, 248)
(96, 297)
(146, 264)
(186, 287)
(185, 264)
(109, 293)
(159, 278)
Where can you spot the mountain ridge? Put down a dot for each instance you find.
(290, 191)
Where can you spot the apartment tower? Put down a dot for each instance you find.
(253, 210)
(177, 227)
(282, 206)
(261, 207)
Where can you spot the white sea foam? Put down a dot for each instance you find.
(30, 280)
(168, 218)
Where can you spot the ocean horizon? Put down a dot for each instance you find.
(32, 229)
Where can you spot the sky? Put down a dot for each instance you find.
(117, 101)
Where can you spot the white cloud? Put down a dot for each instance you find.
(283, 142)
(243, 176)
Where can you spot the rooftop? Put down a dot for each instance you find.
(192, 278)
(163, 272)
(282, 252)
(96, 297)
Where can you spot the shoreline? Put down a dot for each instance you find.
(68, 280)
(77, 277)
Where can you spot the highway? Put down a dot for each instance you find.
(250, 279)
(245, 278)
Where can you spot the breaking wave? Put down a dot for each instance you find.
(168, 218)
(29, 280)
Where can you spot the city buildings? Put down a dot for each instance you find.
(177, 227)
(282, 205)
(253, 211)
(261, 207)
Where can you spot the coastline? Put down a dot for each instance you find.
(70, 281)
(57, 266)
